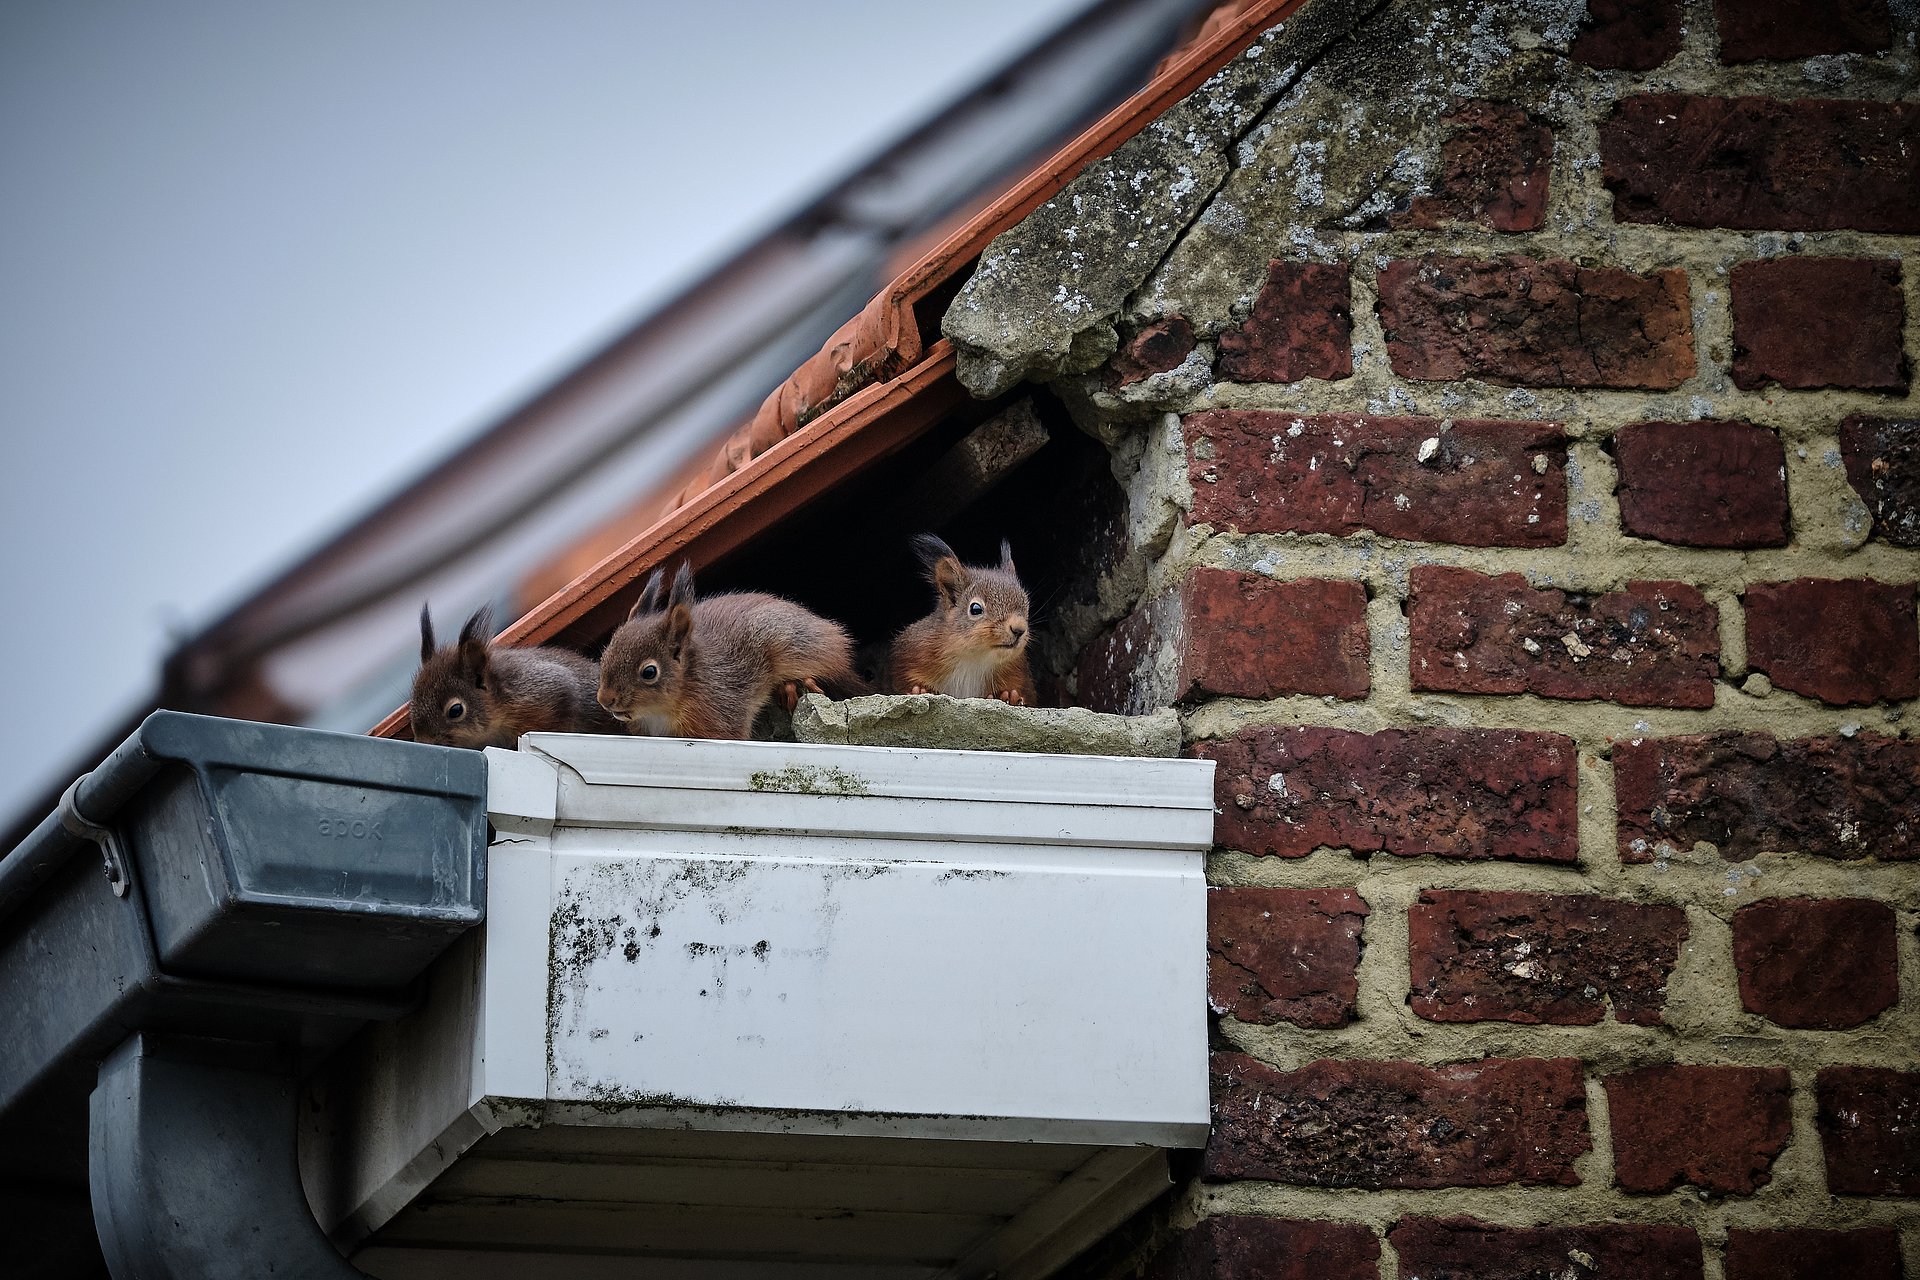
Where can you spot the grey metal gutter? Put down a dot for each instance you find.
(208, 913)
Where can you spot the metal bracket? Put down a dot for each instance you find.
(112, 854)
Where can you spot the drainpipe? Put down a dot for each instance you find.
(262, 892)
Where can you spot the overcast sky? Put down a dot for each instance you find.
(261, 262)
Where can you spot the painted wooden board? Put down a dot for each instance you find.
(820, 1011)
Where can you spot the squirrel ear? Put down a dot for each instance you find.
(649, 600)
(948, 575)
(931, 551)
(679, 629)
(950, 579)
(1006, 557)
(427, 645)
(682, 594)
(473, 643)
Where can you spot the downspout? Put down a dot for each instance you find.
(238, 931)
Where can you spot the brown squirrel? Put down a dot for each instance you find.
(704, 669)
(472, 694)
(974, 643)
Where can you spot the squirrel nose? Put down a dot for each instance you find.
(1017, 627)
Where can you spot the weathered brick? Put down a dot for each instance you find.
(1284, 955)
(1517, 320)
(1760, 164)
(1757, 30)
(1236, 1247)
(1455, 793)
(1540, 957)
(1702, 484)
(1364, 1123)
(1802, 1253)
(1869, 1120)
(1232, 635)
(1816, 963)
(1716, 1128)
(1301, 327)
(1480, 483)
(1155, 348)
(1883, 465)
(1651, 644)
(1841, 640)
(1819, 322)
(1628, 35)
(1493, 171)
(1748, 794)
(1467, 1249)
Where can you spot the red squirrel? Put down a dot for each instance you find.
(473, 694)
(974, 643)
(690, 668)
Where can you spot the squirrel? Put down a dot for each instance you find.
(974, 643)
(691, 668)
(472, 694)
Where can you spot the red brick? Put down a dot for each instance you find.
(1454, 793)
(1284, 955)
(1516, 320)
(1760, 164)
(1362, 1123)
(1757, 30)
(1869, 1119)
(1156, 348)
(1301, 327)
(1883, 466)
(1716, 1128)
(1467, 1249)
(1841, 640)
(1819, 322)
(1651, 644)
(1702, 484)
(1486, 483)
(1748, 794)
(1628, 35)
(1816, 963)
(1802, 1253)
(1493, 171)
(1233, 1247)
(1232, 635)
(1540, 957)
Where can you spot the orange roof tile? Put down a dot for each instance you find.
(873, 387)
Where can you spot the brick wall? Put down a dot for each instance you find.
(1543, 584)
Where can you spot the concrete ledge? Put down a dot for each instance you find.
(982, 724)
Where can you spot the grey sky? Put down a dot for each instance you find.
(261, 262)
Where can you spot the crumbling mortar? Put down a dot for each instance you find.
(1589, 1204)
(1705, 1021)
(1595, 565)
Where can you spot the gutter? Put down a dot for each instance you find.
(261, 894)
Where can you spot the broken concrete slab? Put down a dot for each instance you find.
(982, 724)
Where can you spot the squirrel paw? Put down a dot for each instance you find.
(1011, 697)
(790, 692)
(919, 688)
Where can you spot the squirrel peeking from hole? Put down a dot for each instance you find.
(974, 643)
(475, 694)
(704, 667)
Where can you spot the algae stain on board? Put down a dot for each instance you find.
(808, 780)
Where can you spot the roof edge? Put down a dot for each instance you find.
(874, 386)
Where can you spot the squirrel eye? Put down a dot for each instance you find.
(976, 608)
(650, 672)
(456, 709)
